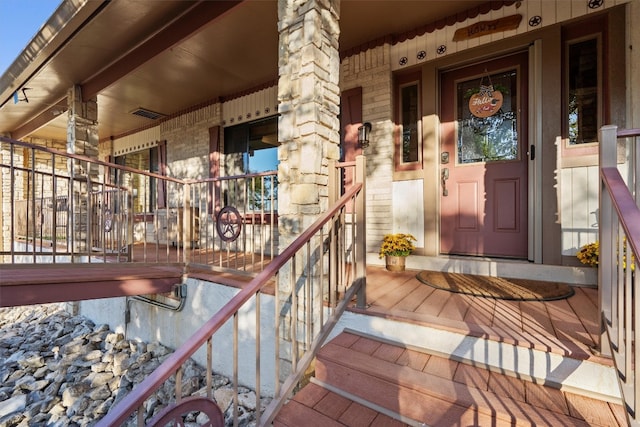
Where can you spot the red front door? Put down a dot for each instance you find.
(483, 159)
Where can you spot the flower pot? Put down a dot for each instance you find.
(395, 263)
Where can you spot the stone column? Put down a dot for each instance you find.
(308, 130)
(82, 139)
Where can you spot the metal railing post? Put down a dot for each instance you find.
(334, 282)
(186, 224)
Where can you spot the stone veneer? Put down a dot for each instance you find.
(309, 105)
(82, 139)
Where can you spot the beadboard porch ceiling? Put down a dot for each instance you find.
(148, 54)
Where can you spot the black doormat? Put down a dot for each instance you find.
(496, 287)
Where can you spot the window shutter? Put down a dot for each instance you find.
(350, 121)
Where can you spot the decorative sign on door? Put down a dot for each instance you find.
(486, 102)
(487, 127)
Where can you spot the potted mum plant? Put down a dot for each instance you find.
(395, 248)
(589, 255)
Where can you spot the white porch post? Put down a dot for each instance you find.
(606, 301)
(308, 126)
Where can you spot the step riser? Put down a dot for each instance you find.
(371, 389)
(581, 377)
(398, 400)
(428, 402)
(358, 377)
(578, 275)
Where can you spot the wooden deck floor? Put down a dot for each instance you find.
(568, 326)
(432, 389)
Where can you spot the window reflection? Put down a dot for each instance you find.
(252, 148)
(583, 103)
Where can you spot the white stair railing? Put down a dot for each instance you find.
(618, 259)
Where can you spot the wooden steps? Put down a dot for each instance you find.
(361, 381)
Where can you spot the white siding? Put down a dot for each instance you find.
(260, 104)
(408, 209)
(579, 207)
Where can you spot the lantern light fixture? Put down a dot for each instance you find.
(363, 134)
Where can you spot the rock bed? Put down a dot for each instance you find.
(62, 370)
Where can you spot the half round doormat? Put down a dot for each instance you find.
(496, 287)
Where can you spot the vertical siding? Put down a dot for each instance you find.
(408, 209)
(579, 207)
(254, 106)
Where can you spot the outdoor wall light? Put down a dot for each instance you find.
(363, 134)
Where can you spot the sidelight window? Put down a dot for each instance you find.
(583, 104)
(408, 152)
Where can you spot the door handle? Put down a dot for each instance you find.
(444, 176)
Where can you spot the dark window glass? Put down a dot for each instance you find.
(256, 143)
(410, 112)
(253, 148)
(583, 102)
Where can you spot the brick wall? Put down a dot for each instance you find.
(187, 139)
(372, 71)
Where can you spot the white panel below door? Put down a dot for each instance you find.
(408, 209)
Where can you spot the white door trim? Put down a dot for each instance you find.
(535, 145)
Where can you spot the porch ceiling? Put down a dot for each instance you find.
(167, 56)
